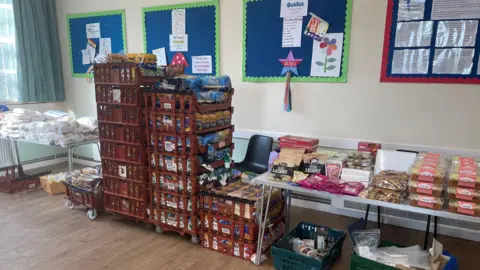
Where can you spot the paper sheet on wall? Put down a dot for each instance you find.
(409, 10)
(105, 45)
(410, 61)
(292, 32)
(161, 56)
(453, 61)
(414, 34)
(93, 30)
(455, 9)
(85, 57)
(91, 53)
(327, 56)
(456, 33)
(294, 8)
(202, 64)
(178, 21)
(179, 43)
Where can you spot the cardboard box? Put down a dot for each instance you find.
(51, 187)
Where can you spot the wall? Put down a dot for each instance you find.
(422, 114)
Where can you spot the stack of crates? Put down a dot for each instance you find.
(119, 96)
(231, 216)
(175, 148)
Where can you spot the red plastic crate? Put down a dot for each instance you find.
(116, 114)
(124, 171)
(186, 164)
(227, 245)
(119, 133)
(122, 73)
(153, 214)
(173, 182)
(124, 206)
(170, 200)
(163, 101)
(122, 152)
(119, 95)
(125, 189)
(237, 228)
(179, 222)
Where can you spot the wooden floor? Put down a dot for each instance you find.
(38, 232)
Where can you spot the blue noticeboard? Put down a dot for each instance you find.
(201, 26)
(112, 25)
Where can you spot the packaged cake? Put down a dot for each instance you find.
(426, 188)
(381, 194)
(426, 201)
(391, 180)
(463, 194)
(462, 207)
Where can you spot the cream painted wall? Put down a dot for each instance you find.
(425, 114)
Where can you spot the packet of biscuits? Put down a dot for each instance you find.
(282, 169)
(314, 163)
(294, 153)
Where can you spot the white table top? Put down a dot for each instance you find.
(340, 199)
(48, 144)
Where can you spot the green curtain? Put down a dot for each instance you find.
(38, 49)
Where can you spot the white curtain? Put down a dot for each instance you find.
(8, 59)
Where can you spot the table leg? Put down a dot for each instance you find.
(366, 215)
(378, 217)
(435, 221)
(259, 247)
(70, 159)
(427, 232)
(288, 201)
(19, 163)
(263, 225)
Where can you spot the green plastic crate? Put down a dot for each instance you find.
(360, 263)
(284, 258)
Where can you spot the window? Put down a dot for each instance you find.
(8, 58)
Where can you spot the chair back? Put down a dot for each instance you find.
(258, 153)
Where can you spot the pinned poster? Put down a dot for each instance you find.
(85, 57)
(294, 8)
(292, 32)
(91, 53)
(105, 45)
(93, 30)
(202, 64)
(327, 56)
(410, 10)
(179, 43)
(178, 21)
(161, 56)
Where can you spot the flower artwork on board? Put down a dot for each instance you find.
(330, 45)
(327, 56)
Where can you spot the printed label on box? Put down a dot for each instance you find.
(167, 106)
(425, 201)
(466, 208)
(122, 171)
(169, 146)
(225, 231)
(425, 188)
(465, 194)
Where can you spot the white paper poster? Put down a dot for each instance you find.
(414, 34)
(327, 56)
(456, 33)
(455, 9)
(178, 21)
(105, 45)
(85, 57)
(202, 64)
(453, 61)
(161, 56)
(91, 53)
(179, 43)
(409, 10)
(292, 32)
(410, 61)
(294, 8)
(93, 30)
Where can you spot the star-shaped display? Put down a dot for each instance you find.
(290, 64)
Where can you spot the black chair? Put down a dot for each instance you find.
(258, 153)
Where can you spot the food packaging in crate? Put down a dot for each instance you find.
(124, 170)
(120, 133)
(180, 222)
(170, 200)
(125, 188)
(120, 95)
(114, 73)
(124, 206)
(122, 152)
(179, 144)
(90, 182)
(238, 228)
(117, 114)
(173, 182)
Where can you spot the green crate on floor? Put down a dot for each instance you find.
(284, 258)
(360, 263)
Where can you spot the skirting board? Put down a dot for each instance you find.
(457, 231)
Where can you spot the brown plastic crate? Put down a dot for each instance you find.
(119, 133)
(186, 164)
(173, 182)
(164, 101)
(124, 206)
(121, 73)
(126, 189)
(179, 222)
(165, 142)
(227, 245)
(119, 95)
(237, 228)
(124, 171)
(122, 152)
(173, 201)
(153, 214)
(178, 122)
(116, 114)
